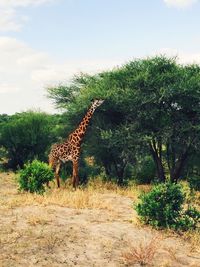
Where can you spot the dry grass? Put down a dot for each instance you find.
(143, 253)
(87, 197)
(131, 191)
(79, 199)
(49, 242)
(34, 220)
(197, 198)
(83, 227)
(193, 237)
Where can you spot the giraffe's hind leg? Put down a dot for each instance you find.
(75, 178)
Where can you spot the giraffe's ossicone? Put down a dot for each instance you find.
(70, 149)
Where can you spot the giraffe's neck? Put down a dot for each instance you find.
(80, 131)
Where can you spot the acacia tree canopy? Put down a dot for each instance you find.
(152, 108)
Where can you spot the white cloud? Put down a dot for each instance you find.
(180, 3)
(10, 19)
(182, 56)
(54, 73)
(25, 72)
(23, 3)
(8, 88)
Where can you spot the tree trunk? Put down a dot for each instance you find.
(176, 172)
(158, 162)
(120, 173)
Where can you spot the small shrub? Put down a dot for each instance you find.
(194, 182)
(34, 175)
(163, 207)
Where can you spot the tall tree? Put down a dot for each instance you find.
(152, 107)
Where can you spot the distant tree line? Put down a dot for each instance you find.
(25, 136)
(147, 129)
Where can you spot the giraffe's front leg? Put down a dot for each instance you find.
(75, 178)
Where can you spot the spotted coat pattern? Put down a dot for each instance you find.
(70, 149)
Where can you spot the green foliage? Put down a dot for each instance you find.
(151, 108)
(163, 207)
(189, 219)
(61, 96)
(4, 118)
(86, 171)
(145, 171)
(194, 182)
(26, 136)
(33, 177)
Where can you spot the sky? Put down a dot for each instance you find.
(46, 42)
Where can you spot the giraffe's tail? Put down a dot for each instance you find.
(51, 163)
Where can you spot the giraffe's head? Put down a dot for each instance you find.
(97, 102)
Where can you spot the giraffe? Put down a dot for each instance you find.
(70, 149)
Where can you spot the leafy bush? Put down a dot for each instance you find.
(161, 206)
(34, 175)
(194, 182)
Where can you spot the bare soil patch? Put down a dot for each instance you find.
(97, 228)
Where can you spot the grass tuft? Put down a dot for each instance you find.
(143, 253)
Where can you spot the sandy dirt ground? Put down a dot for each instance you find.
(52, 235)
